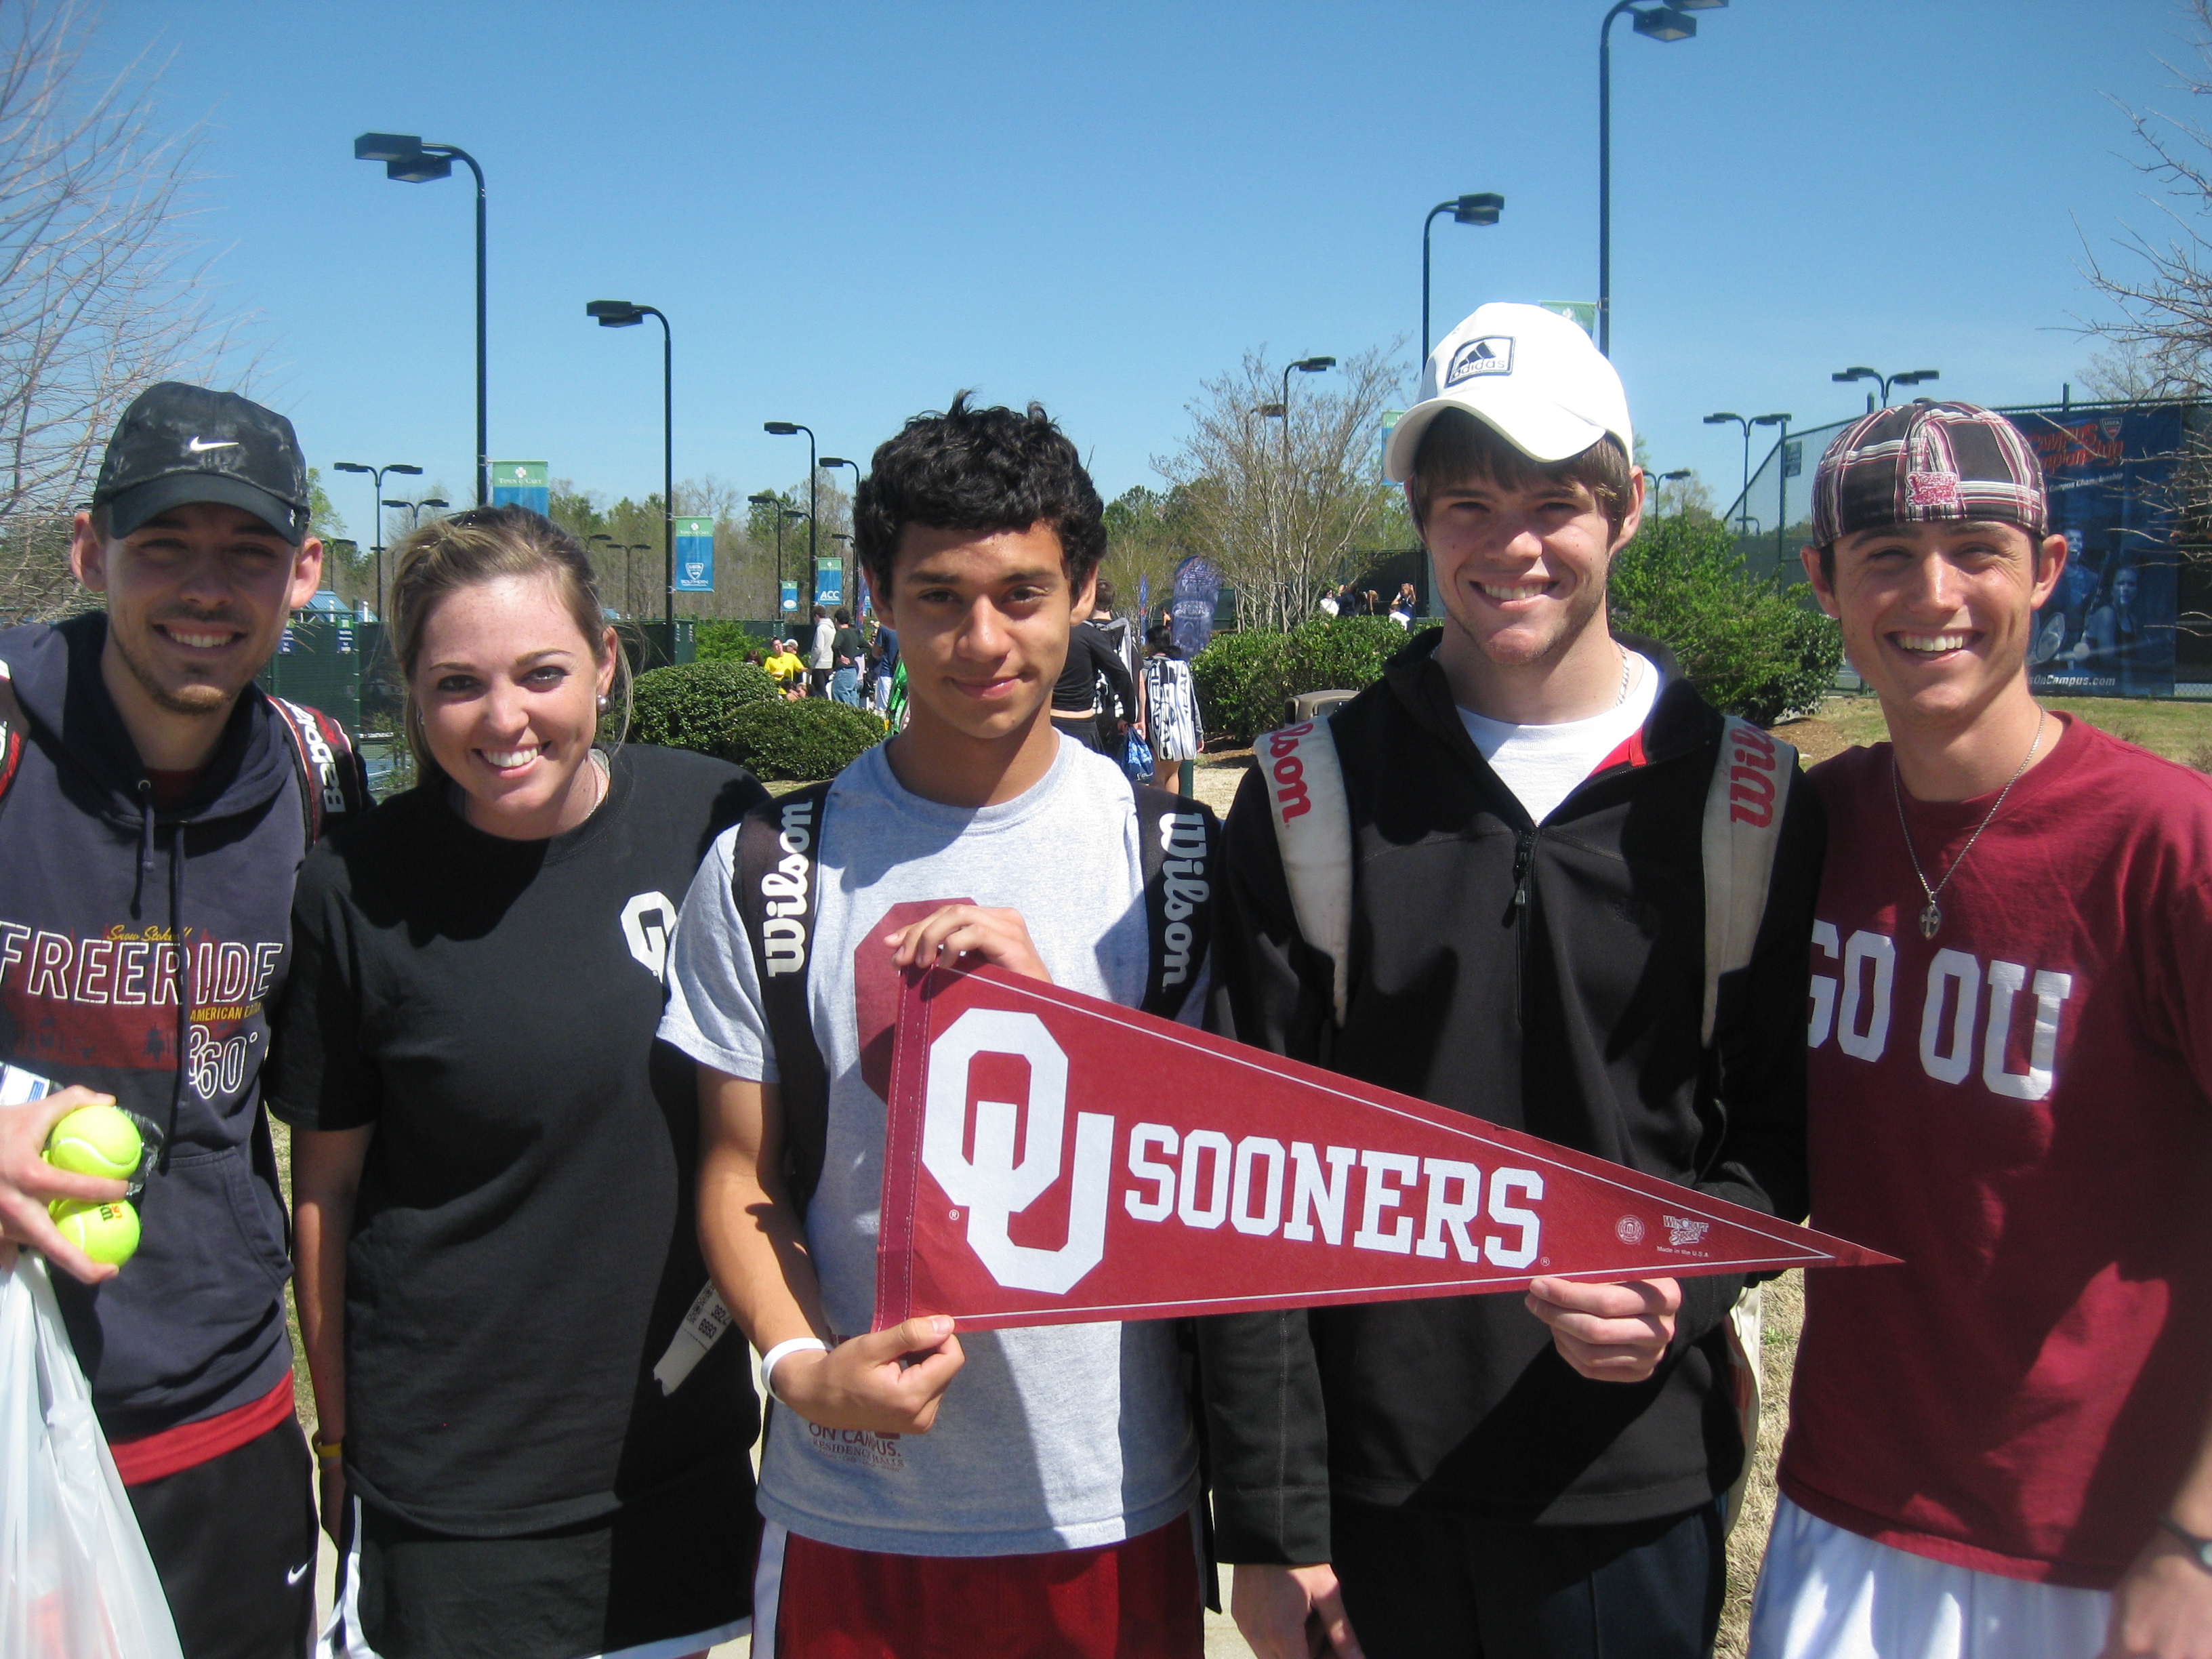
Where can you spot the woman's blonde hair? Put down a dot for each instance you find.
(482, 545)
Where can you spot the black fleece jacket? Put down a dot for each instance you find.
(1574, 1016)
(97, 886)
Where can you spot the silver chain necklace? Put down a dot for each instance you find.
(1931, 919)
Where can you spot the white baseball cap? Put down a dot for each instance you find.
(1530, 374)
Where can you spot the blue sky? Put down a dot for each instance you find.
(851, 211)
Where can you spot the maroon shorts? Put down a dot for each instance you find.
(1136, 1599)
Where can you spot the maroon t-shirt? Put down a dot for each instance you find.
(2019, 1109)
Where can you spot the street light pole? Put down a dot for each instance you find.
(1743, 490)
(1664, 23)
(852, 576)
(376, 473)
(1477, 210)
(1780, 479)
(1912, 377)
(408, 159)
(785, 430)
(621, 313)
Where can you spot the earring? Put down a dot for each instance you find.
(602, 703)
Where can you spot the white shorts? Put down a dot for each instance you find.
(1825, 1593)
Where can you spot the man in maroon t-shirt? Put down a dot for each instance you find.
(1998, 1449)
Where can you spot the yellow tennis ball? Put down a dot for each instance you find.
(106, 1232)
(96, 1141)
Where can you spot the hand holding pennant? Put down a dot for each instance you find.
(1055, 1158)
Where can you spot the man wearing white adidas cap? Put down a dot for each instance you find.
(1504, 907)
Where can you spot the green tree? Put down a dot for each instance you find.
(1748, 645)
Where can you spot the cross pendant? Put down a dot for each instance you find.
(1930, 920)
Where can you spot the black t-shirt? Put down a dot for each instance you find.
(849, 642)
(524, 1242)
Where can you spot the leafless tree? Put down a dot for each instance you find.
(1277, 502)
(102, 289)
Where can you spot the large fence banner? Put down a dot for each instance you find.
(521, 483)
(1052, 1157)
(694, 556)
(2108, 629)
(1197, 593)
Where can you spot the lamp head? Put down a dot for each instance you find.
(434, 501)
(839, 460)
(399, 503)
(780, 429)
(401, 466)
(350, 466)
(387, 147)
(1700, 5)
(1770, 420)
(1675, 476)
(614, 314)
(1915, 376)
(1313, 365)
(793, 513)
(1723, 418)
(1269, 411)
(1849, 375)
(1481, 208)
(419, 169)
(608, 539)
(1663, 23)
(761, 500)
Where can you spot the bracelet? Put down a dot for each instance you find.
(2201, 1548)
(783, 1351)
(326, 1451)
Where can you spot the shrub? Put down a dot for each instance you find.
(1246, 680)
(719, 640)
(1743, 640)
(815, 739)
(692, 704)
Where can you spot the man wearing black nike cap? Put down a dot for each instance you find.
(155, 805)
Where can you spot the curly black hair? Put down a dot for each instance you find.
(985, 469)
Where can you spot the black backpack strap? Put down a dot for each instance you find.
(1180, 841)
(333, 780)
(775, 880)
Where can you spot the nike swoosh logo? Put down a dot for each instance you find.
(200, 446)
(296, 1574)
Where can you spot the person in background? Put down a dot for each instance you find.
(789, 670)
(2002, 1446)
(1405, 606)
(1093, 694)
(822, 653)
(1328, 606)
(883, 660)
(1172, 698)
(848, 646)
(159, 798)
(532, 1445)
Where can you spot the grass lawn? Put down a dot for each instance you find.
(2178, 731)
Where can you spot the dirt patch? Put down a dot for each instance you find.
(1814, 740)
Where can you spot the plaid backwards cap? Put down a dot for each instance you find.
(1921, 461)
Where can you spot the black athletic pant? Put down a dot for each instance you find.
(1083, 728)
(234, 1539)
(1428, 1587)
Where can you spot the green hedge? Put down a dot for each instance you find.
(719, 640)
(1745, 641)
(1245, 681)
(815, 739)
(693, 704)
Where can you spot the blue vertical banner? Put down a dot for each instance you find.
(2108, 628)
(694, 556)
(790, 598)
(830, 581)
(1197, 592)
(521, 483)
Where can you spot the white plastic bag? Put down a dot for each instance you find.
(75, 1581)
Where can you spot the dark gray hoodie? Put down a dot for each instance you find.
(96, 886)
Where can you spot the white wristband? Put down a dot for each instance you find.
(783, 1351)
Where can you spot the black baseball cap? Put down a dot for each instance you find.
(178, 444)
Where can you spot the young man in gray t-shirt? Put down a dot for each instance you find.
(1026, 1490)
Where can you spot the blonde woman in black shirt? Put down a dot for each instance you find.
(531, 1445)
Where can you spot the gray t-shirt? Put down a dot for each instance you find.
(1061, 1437)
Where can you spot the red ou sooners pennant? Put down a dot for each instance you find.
(1053, 1157)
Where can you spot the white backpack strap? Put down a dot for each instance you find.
(1313, 828)
(1743, 826)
